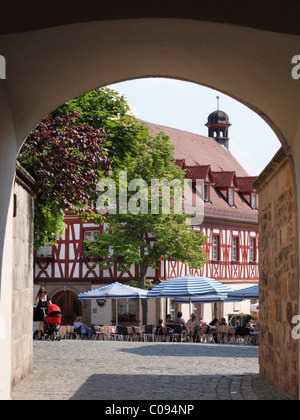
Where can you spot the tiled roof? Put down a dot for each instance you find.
(199, 172)
(180, 163)
(246, 183)
(219, 208)
(203, 154)
(199, 150)
(225, 179)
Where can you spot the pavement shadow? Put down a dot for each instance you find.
(148, 387)
(193, 350)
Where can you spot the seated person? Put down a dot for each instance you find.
(212, 328)
(159, 327)
(169, 323)
(223, 323)
(201, 321)
(160, 330)
(247, 323)
(180, 321)
(193, 325)
(84, 328)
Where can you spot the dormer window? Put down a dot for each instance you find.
(206, 193)
(231, 196)
(205, 175)
(226, 183)
(253, 201)
(247, 191)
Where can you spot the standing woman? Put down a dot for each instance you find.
(42, 302)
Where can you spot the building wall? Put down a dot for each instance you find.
(279, 286)
(224, 269)
(22, 283)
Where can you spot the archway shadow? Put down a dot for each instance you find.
(149, 386)
(192, 350)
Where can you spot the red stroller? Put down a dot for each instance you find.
(52, 323)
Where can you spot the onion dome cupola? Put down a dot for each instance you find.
(218, 125)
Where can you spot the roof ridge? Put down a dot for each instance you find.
(197, 166)
(176, 129)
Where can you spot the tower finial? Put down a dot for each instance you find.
(218, 102)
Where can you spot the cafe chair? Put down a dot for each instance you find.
(177, 332)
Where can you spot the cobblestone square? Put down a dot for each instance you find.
(99, 370)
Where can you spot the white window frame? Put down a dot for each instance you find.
(216, 248)
(91, 238)
(126, 306)
(252, 249)
(231, 196)
(235, 248)
(45, 250)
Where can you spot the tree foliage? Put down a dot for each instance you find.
(66, 159)
(127, 238)
(70, 150)
(105, 109)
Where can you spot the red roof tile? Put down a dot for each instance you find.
(180, 163)
(202, 154)
(199, 150)
(225, 179)
(200, 172)
(246, 183)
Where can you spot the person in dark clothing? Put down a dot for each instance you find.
(42, 302)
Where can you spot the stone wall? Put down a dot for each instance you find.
(22, 298)
(279, 287)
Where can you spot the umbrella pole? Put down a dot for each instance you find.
(117, 315)
(166, 309)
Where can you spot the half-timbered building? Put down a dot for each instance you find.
(230, 223)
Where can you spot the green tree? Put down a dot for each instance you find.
(105, 109)
(70, 150)
(143, 238)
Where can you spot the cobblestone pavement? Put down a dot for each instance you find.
(99, 370)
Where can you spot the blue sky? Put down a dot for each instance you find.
(186, 106)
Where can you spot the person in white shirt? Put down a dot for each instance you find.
(193, 325)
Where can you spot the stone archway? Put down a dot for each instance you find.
(46, 67)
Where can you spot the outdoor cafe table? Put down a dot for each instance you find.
(65, 330)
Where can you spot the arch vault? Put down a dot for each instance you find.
(53, 57)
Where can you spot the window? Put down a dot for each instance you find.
(253, 201)
(88, 235)
(126, 306)
(236, 307)
(45, 250)
(216, 248)
(235, 248)
(231, 196)
(206, 193)
(252, 250)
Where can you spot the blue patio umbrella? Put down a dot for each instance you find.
(115, 291)
(248, 293)
(208, 299)
(188, 286)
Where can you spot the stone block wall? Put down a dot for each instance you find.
(279, 275)
(22, 298)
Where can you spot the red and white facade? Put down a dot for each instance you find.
(230, 223)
